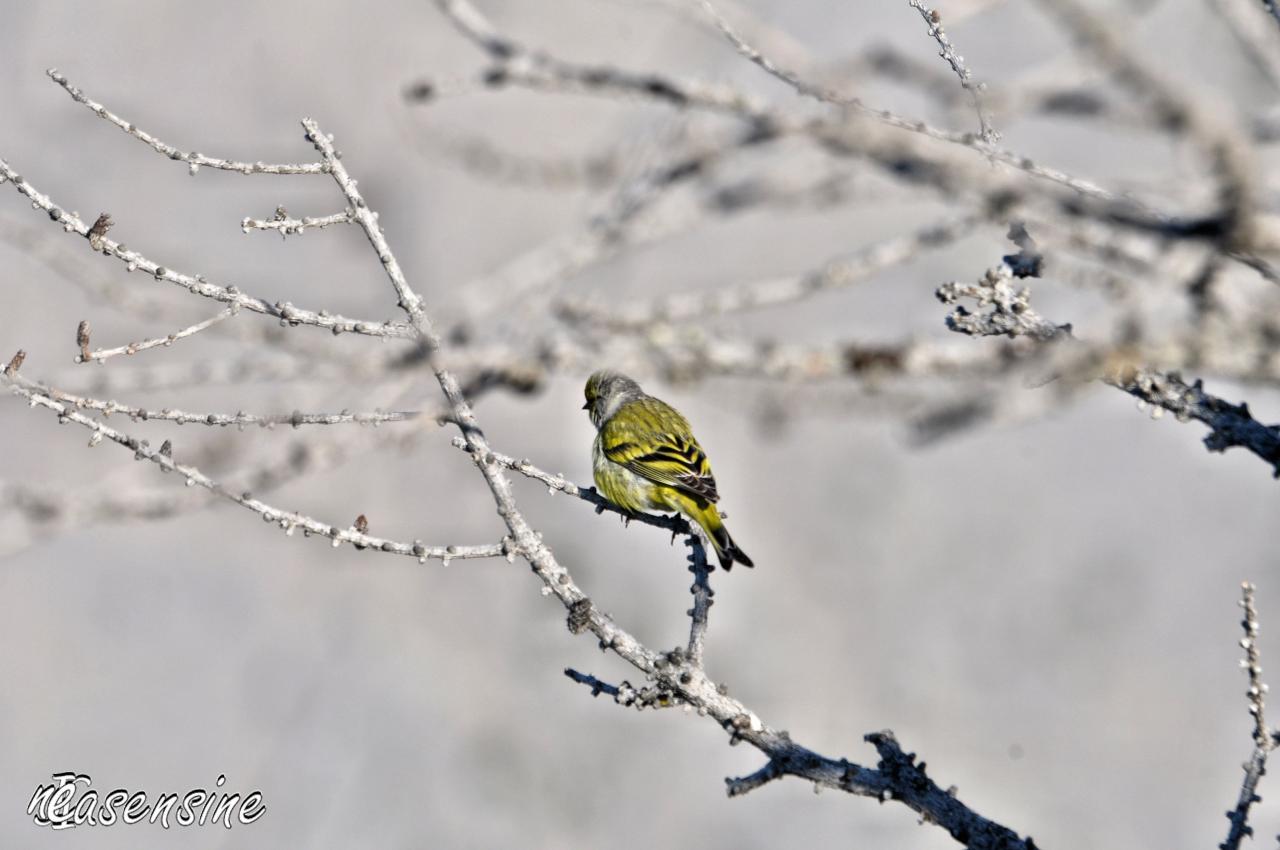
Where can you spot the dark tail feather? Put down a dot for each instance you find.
(728, 551)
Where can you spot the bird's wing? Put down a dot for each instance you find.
(654, 441)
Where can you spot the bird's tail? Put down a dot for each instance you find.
(709, 518)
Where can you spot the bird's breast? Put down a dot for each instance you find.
(619, 485)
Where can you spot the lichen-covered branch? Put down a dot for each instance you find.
(1007, 311)
(1264, 740)
(287, 226)
(1230, 425)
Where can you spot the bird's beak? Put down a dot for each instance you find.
(586, 406)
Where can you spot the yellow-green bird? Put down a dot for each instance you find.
(646, 458)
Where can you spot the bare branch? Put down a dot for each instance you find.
(933, 20)
(288, 314)
(1177, 109)
(524, 348)
(627, 695)
(295, 419)
(1229, 424)
(736, 787)
(288, 521)
(1257, 693)
(1263, 738)
(702, 598)
(676, 524)
(516, 63)
(288, 226)
(899, 774)
(968, 140)
(760, 295)
(597, 686)
(1010, 312)
(102, 354)
(1246, 23)
(193, 160)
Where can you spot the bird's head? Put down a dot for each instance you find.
(607, 391)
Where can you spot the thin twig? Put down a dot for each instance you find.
(1009, 314)
(702, 598)
(758, 295)
(1256, 39)
(737, 786)
(193, 160)
(1263, 738)
(517, 63)
(287, 313)
(134, 347)
(288, 521)
(288, 226)
(933, 20)
(676, 524)
(240, 419)
(967, 140)
(597, 686)
(1176, 108)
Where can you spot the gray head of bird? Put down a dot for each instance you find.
(606, 392)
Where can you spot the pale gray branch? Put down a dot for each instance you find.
(933, 20)
(1264, 740)
(760, 295)
(968, 140)
(193, 160)
(286, 312)
(102, 354)
(1007, 311)
(899, 774)
(288, 521)
(288, 226)
(240, 419)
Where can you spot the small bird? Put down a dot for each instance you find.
(645, 457)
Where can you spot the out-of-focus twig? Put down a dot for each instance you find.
(1008, 313)
(933, 20)
(968, 140)
(1008, 310)
(1177, 109)
(1244, 19)
(1272, 8)
(771, 293)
